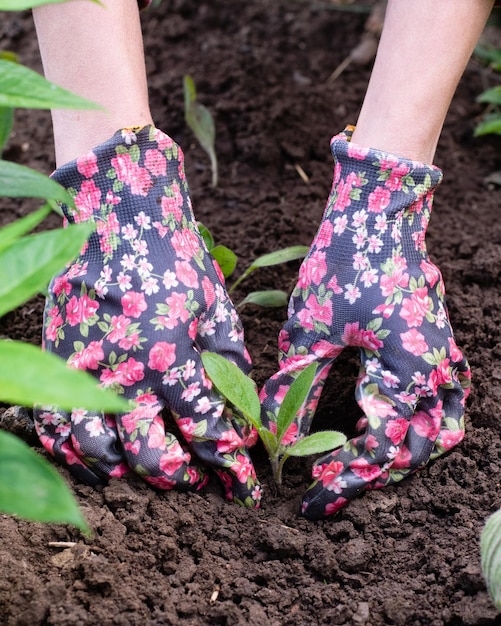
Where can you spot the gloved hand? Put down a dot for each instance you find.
(136, 308)
(367, 281)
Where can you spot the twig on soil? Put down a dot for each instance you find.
(365, 51)
(62, 544)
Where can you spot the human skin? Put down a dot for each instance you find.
(97, 53)
(423, 52)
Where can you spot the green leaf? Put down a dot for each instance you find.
(273, 258)
(238, 388)
(317, 443)
(201, 122)
(491, 96)
(32, 488)
(22, 87)
(206, 236)
(6, 123)
(292, 253)
(294, 399)
(27, 266)
(226, 259)
(29, 376)
(19, 181)
(490, 556)
(491, 125)
(12, 232)
(267, 298)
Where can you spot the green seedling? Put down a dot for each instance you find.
(227, 261)
(200, 120)
(490, 122)
(240, 391)
(29, 486)
(490, 554)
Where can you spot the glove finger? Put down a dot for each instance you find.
(155, 454)
(208, 428)
(436, 427)
(85, 442)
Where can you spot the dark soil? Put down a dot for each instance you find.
(406, 556)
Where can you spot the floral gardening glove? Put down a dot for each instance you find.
(367, 281)
(136, 308)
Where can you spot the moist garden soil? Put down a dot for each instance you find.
(408, 555)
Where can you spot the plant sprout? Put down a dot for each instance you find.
(200, 120)
(490, 553)
(240, 391)
(227, 261)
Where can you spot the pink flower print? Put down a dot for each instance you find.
(130, 342)
(88, 358)
(284, 342)
(188, 427)
(60, 285)
(186, 274)
(319, 312)
(389, 379)
(87, 164)
(185, 243)
(80, 310)
(135, 447)
(385, 310)
(69, 455)
(133, 304)
(374, 244)
(332, 284)
(359, 219)
(416, 307)
(363, 469)
(291, 435)
(356, 152)
(374, 407)
(229, 442)
(332, 507)
(243, 468)
(324, 235)
(193, 329)
(176, 303)
(143, 220)
(191, 392)
(156, 434)
(402, 458)
(430, 271)
(209, 294)
(280, 394)
(130, 372)
(160, 482)
(343, 199)
(326, 349)
(456, 354)
(169, 279)
(353, 335)
(312, 270)
(378, 200)
(381, 223)
(131, 174)
(203, 405)
(173, 460)
(396, 430)
(448, 439)
(172, 204)
(162, 355)
(87, 201)
(329, 475)
(389, 283)
(414, 342)
(55, 321)
(394, 182)
(441, 375)
(118, 325)
(164, 142)
(155, 162)
(426, 425)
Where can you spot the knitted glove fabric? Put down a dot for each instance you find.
(135, 309)
(367, 281)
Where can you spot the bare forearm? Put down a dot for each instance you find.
(423, 52)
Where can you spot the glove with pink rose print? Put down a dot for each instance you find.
(135, 309)
(367, 281)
